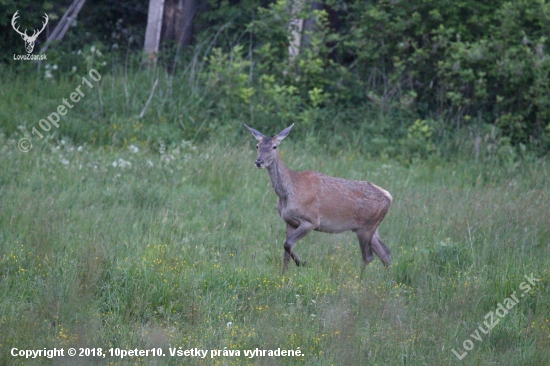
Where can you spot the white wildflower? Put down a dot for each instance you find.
(122, 163)
(133, 149)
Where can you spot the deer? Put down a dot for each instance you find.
(309, 200)
(29, 40)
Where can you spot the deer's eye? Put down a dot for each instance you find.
(257, 146)
(274, 147)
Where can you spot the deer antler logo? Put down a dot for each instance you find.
(29, 40)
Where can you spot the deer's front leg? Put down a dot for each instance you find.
(289, 230)
(292, 236)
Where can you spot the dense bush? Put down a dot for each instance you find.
(464, 62)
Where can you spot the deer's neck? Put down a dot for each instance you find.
(281, 178)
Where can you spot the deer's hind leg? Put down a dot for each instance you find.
(365, 237)
(381, 250)
(370, 242)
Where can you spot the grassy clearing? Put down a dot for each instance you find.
(184, 249)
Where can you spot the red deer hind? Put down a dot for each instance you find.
(310, 200)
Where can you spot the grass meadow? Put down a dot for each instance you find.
(107, 248)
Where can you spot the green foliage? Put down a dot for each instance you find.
(276, 100)
(419, 143)
(228, 79)
(312, 72)
(459, 58)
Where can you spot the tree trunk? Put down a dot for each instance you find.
(64, 24)
(295, 27)
(178, 21)
(154, 26)
(310, 25)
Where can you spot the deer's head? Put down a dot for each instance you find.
(29, 40)
(267, 146)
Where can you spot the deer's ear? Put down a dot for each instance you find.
(256, 134)
(284, 133)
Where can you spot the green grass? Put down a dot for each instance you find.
(184, 249)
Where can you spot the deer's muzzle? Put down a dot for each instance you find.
(259, 163)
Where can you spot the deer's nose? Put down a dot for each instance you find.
(259, 162)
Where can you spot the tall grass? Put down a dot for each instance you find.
(181, 246)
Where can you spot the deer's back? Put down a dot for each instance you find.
(338, 204)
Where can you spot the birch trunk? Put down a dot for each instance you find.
(295, 27)
(154, 27)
